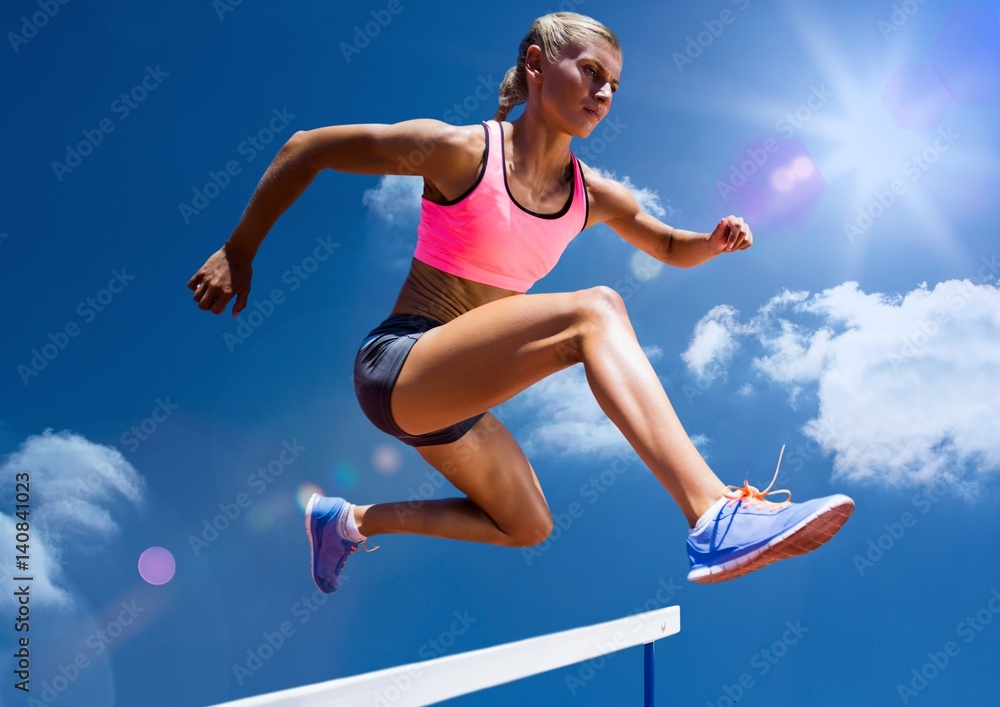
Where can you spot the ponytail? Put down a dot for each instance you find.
(513, 91)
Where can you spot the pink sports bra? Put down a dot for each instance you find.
(486, 236)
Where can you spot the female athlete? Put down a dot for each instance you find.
(501, 200)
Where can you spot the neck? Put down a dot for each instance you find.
(540, 150)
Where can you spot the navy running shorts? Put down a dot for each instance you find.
(376, 368)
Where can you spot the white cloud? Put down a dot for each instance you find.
(566, 419)
(44, 568)
(800, 355)
(653, 352)
(648, 199)
(644, 267)
(904, 384)
(396, 200)
(559, 416)
(786, 298)
(714, 343)
(74, 484)
(701, 443)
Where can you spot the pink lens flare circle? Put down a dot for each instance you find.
(386, 459)
(157, 565)
(772, 183)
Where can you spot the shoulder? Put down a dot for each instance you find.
(609, 199)
(445, 135)
(421, 146)
(438, 151)
(449, 157)
(443, 147)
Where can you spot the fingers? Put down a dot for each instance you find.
(739, 236)
(203, 296)
(211, 299)
(219, 306)
(241, 302)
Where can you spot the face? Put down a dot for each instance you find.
(577, 90)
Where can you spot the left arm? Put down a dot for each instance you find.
(613, 204)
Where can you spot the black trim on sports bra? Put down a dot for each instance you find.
(586, 195)
(503, 166)
(482, 173)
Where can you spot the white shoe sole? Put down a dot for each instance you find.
(309, 534)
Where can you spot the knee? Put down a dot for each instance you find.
(600, 304)
(532, 531)
(596, 311)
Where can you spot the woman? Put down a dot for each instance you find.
(501, 201)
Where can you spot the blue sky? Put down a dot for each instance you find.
(861, 330)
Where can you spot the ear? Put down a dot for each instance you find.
(534, 57)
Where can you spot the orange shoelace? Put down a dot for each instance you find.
(751, 494)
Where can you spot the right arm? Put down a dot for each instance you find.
(428, 148)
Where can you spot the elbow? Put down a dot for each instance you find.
(297, 143)
(296, 151)
(680, 264)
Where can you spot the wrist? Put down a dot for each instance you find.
(239, 251)
(712, 244)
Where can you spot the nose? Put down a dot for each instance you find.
(605, 93)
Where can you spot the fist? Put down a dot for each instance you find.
(223, 276)
(731, 234)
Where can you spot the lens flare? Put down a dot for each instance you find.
(915, 97)
(304, 493)
(157, 565)
(345, 475)
(260, 518)
(386, 459)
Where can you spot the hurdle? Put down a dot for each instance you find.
(431, 681)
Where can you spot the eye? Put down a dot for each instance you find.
(591, 70)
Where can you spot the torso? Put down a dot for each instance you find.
(429, 292)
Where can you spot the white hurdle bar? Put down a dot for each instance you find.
(432, 681)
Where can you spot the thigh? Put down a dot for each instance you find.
(489, 467)
(484, 357)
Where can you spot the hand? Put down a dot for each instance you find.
(224, 275)
(731, 234)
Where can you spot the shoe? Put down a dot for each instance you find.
(326, 527)
(743, 532)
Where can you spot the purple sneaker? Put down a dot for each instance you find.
(326, 527)
(743, 532)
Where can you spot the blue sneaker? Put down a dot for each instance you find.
(326, 527)
(743, 532)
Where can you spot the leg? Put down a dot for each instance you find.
(488, 355)
(504, 504)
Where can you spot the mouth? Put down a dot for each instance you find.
(595, 114)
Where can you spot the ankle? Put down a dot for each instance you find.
(701, 505)
(362, 529)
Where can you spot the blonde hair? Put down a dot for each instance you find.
(553, 33)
